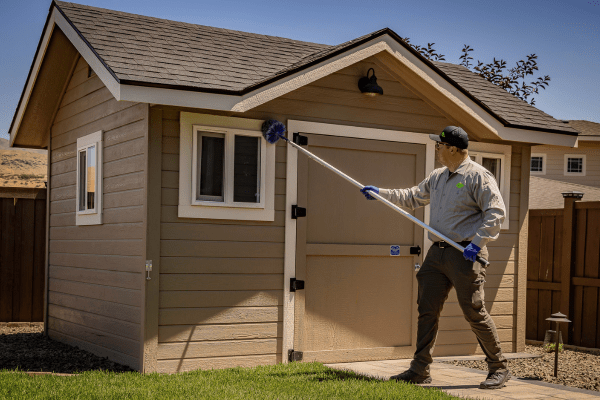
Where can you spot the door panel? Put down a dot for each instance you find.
(358, 301)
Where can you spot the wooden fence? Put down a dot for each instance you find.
(563, 271)
(22, 252)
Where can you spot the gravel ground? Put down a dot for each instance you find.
(576, 368)
(26, 348)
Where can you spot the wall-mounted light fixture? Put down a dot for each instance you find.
(368, 85)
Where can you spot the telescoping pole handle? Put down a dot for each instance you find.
(388, 203)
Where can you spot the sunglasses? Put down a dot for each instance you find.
(438, 144)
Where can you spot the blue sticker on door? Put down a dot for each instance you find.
(394, 250)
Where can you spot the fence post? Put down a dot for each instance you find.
(569, 219)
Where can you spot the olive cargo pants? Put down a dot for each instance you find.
(443, 269)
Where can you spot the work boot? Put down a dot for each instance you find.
(496, 379)
(411, 377)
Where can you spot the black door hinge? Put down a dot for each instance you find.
(296, 285)
(299, 139)
(298, 212)
(415, 250)
(294, 355)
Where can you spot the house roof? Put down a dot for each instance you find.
(546, 193)
(585, 128)
(148, 51)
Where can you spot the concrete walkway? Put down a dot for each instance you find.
(464, 382)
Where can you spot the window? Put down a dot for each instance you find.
(230, 172)
(538, 164)
(227, 167)
(89, 180)
(575, 164)
(491, 162)
(495, 158)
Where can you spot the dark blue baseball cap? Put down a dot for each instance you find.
(453, 136)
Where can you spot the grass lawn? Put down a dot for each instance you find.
(282, 381)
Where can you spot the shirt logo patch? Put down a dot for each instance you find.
(460, 185)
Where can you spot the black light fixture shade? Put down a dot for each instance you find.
(369, 86)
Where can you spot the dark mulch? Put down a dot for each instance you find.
(576, 368)
(27, 349)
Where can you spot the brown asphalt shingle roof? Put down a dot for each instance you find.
(585, 128)
(546, 193)
(149, 51)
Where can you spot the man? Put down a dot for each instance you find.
(467, 207)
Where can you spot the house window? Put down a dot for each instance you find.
(89, 180)
(575, 164)
(230, 173)
(538, 164)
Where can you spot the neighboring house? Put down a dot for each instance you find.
(580, 165)
(169, 116)
(547, 193)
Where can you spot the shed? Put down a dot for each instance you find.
(172, 240)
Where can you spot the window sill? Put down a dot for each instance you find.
(225, 212)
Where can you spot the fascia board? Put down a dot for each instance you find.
(88, 55)
(57, 19)
(495, 126)
(37, 63)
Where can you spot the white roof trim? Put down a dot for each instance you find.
(56, 18)
(285, 85)
(32, 78)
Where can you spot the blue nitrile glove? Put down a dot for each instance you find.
(374, 189)
(471, 251)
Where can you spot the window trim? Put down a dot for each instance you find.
(91, 216)
(566, 164)
(188, 206)
(230, 135)
(504, 153)
(543, 171)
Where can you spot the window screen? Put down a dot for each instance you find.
(246, 174)
(575, 165)
(82, 179)
(492, 165)
(211, 150)
(537, 164)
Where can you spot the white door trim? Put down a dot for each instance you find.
(291, 191)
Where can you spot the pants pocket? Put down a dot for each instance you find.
(477, 298)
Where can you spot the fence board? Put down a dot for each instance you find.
(559, 265)
(22, 250)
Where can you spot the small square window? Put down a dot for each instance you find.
(537, 163)
(575, 165)
(89, 180)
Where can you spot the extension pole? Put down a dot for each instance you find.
(388, 203)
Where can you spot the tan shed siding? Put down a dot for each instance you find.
(555, 162)
(221, 281)
(455, 335)
(96, 272)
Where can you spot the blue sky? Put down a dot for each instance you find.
(564, 34)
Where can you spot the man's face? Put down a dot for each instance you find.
(442, 152)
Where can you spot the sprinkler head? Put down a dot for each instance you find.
(273, 130)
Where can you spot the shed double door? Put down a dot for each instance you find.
(359, 300)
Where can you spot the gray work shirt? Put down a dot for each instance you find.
(465, 205)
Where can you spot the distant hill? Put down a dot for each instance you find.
(22, 167)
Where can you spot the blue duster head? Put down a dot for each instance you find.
(273, 130)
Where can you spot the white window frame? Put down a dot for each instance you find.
(230, 135)
(566, 164)
(91, 216)
(543, 171)
(503, 152)
(189, 207)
